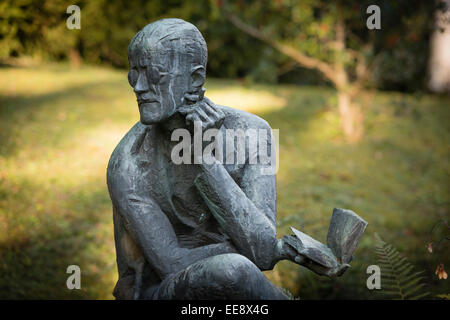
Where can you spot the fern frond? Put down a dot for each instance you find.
(416, 288)
(397, 277)
(420, 296)
(415, 282)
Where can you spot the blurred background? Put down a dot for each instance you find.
(363, 115)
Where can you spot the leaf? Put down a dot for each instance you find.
(423, 295)
(445, 296)
(398, 278)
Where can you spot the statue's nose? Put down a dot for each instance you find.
(141, 84)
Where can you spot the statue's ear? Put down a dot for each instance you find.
(198, 75)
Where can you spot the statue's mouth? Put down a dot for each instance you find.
(144, 101)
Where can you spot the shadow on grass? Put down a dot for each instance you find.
(33, 263)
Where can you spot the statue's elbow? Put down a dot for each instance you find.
(265, 252)
(264, 262)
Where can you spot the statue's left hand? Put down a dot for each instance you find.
(320, 270)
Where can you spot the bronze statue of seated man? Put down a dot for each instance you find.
(199, 230)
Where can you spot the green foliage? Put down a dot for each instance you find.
(397, 276)
(10, 15)
(34, 27)
(396, 54)
(38, 28)
(403, 46)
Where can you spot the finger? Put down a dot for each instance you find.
(192, 97)
(209, 102)
(204, 117)
(213, 111)
(192, 117)
(186, 109)
(215, 114)
(189, 118)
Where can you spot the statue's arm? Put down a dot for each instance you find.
(246, 211)
(154, 234)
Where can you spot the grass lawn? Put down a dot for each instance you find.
(59, 126)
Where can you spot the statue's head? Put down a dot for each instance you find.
(167, 61)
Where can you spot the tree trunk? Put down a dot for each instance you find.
(74, 58)
(439, 64)
(349, 110)
(350, 115)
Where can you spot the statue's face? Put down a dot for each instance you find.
(159, 91)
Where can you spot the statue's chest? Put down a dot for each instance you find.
(184, 194)
(172, 185)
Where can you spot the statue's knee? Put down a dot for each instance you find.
(234, 270)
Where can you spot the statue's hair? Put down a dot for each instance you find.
(176, 40)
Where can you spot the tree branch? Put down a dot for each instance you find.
(305, 61)
(287, 67)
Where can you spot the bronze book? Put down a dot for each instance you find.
(346, 228)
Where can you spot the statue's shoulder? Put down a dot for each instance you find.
(240, 119)
(123, 152)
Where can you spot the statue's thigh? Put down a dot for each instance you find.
(225, 276)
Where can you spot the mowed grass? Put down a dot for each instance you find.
(58, 127)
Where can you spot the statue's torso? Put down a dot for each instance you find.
(172, 187)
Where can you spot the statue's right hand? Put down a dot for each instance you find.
(204, 111)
